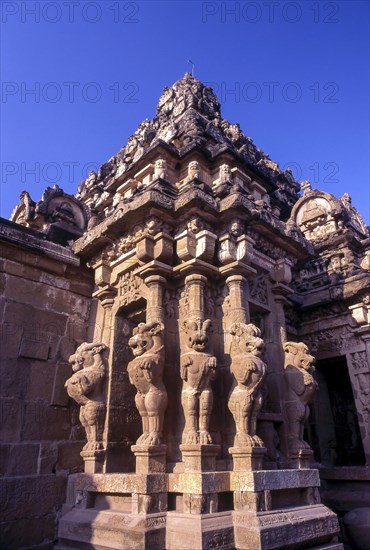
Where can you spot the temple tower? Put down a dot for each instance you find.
(193, 247)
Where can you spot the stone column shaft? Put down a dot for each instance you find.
(154, 308)
(239, 311)
(359, 373)
(196, 284)
(107, 329)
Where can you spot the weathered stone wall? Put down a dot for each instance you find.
(45, 297)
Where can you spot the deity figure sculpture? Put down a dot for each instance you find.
(160, 169)
(197, 370)
(86, 387)
(301, 386)
(249, 372)
(146, 374)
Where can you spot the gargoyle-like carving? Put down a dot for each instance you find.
(198, 369)
(193, 170)
(86, 387)
(301, 387)
(146, 374)
(249, 371)
(160, 169)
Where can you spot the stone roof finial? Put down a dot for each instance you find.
(306, 186)
(346, 199)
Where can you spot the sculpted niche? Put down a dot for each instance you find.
(301, 387)
(249, 372)
(86, 387)
(146, 374)
(198, 370)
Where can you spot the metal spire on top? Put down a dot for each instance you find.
(192, 66)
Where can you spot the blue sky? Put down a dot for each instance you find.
(78, 77)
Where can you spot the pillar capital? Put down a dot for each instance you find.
(195, 278)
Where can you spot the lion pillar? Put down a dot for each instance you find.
(246, 398)
(197, 370)
(300, 390)
(146, 374)
(87, 387)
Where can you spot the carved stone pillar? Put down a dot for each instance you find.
(275, 355)
(196, 284)
(107, 329)
(154, 307)
(246, 397)
(279, 335)
(104, 322)
(87, 387)
(300, 389)
(239, 310)
(359, 372)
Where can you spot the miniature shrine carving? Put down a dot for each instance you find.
(146, 374)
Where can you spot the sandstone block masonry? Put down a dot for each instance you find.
(45, 302)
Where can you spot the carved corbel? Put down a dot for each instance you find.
(360, 313)
(282, 272)
(163, 248)
(186, 245)
(145, 249)
(196, 242)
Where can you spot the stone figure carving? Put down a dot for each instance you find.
(249, 371)
(195, 224)
(91, 180)
(225, 173)
(146, 374)
(301, 387)
(86, 387)
(198, 369)
(236, 228)
(160, 169)
(193, 170)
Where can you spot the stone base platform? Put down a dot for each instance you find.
(188, 531)
(107, 530)
(314, 527)
(250, 510)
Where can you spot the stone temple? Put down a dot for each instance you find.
(185, 351)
